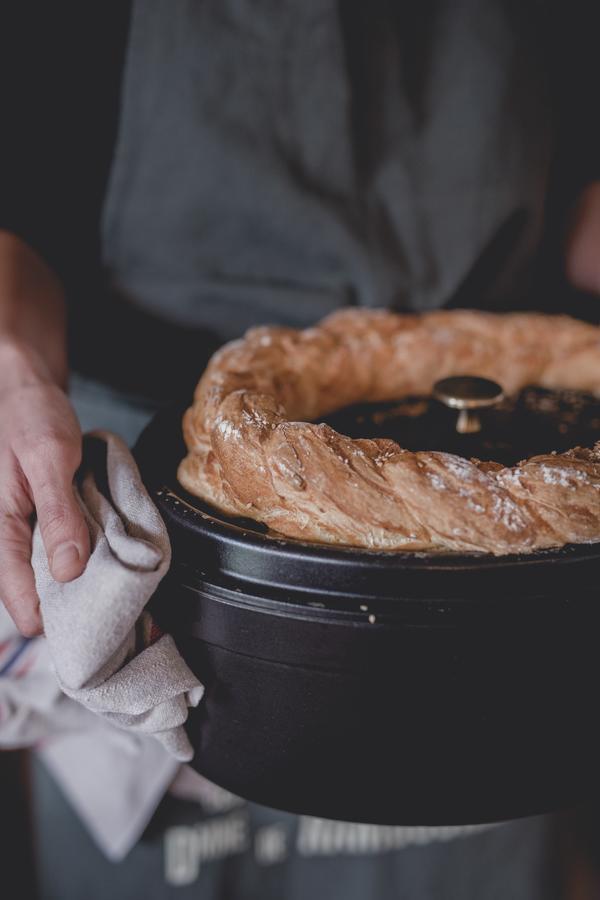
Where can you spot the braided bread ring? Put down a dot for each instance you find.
(253, 451)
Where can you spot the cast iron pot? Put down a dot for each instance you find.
(390, 688)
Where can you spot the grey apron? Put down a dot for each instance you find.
(276, 161)
(239, 851)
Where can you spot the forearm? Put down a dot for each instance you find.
(583, 241)
(32, 308)
(40, 439)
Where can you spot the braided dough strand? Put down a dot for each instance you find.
(254, 451)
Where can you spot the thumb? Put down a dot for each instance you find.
(61, 521)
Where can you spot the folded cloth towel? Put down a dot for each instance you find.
(114, 778)
(33, 708)
(106, 652)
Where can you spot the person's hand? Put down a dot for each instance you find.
(40, 450)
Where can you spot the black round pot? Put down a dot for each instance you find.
(390, 688)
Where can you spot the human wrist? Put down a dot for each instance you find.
(21, 366)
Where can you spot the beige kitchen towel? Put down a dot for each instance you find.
(106, 651)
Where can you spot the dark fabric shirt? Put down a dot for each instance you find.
(61, 73)
(61, 70)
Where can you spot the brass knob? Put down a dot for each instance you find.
(468, 394)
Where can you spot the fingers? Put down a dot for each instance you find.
(40, 449)
(17, 584)
(49, 468)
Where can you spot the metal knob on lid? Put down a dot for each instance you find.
(468, 394)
